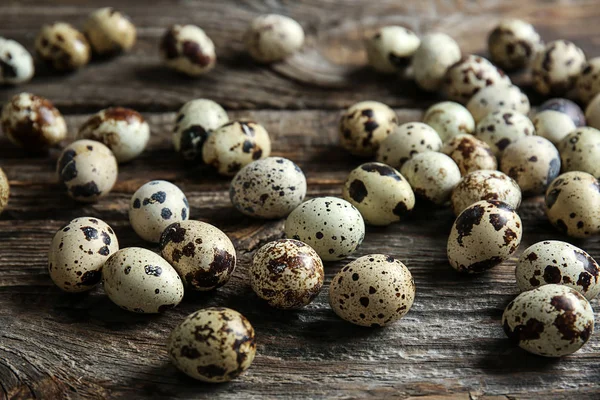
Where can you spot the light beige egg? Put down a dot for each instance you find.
(449, 119)
(188, 49)
(592, 113)
(485, 185)
(390, 48)
(503, 127)
(272, 37)
(556, 67)
(553, 125)
(436, 53)
(588, 82)
(109, 31)
(16, 64)
(432, 176)
(4, 190)
(365, 125)
(513, 43)
(62, 46)
(580, 151)
(407, 140)
(495, 97)
(470, 154)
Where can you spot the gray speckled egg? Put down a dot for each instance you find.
(331, 226)
(379, 192)
(485, 234)
(62, 46)
(580, 151)
(550, 321)
(390, 48)
(565, 106)
(503, 127)
(588, 82)
(373, 290)
(141, 281)
(555, 262)
(573, 204)
(154, 206)
(4, 190)
(235, 145)
(202, 254)
(495, 97)
(470, 154)
(406, 141)
(188, 49)
(78, 253)
(513, 43)
(556, 67)
(432, 59)
(214, 344)
(16, 64)
(272, 37)
(286, 273)
(269, 188)
(485, 185)
(449, 119)
(88, 169)
(553, 125)
(109, 31)
(365, 125)
(432, 176)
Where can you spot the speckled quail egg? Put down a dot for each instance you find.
(16, 64)
(32, 122)
(272, 37)
(406, 141)
(553, 125)
(187, 49)
(495, 97)
(470, 154)
(331, 226)
(62, 46)
(592, 112)
(269, 188)
(4, 190)
(214, 344)
(286, 273)
(580, 151)
(390, 48)
(552, 261)
(471, 74)
(588, 82)
(109, 31)
(365, 125)
(78, 253)
(379, 192)
(141, 281)
(533, 162)
(432, 59)
(550, 321)
(449, 119)
(503, 127)
(564, 106)
(485, 185)
(88, 169)
(513, 43)
(373, 290)
(573, 204)
(123, 130)
(235, 145)
(154, 206)
(556, 67)
(432, 176)
(202, 254)
(194, 122)
(483, 235)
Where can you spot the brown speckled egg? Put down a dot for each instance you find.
(432, 59)
(432, 176)
(513, 43)
(390, 48)
(214, 344)
(62, 46)
(470, 154)
(188, 49)
(553, 125)
(109, 31)
(552, 261)
(495, 97)
(485, 185)
(373, 290)
(4, 190)
(365, 125)
(550, 321)
(556, 67)
(406, 141)
(202, 254)
(272, 37)
(16, 64)
(565, 106)
(503, 127)
(78, 253)
(573, 204)
(449, 119)
(580, 151)
(286, 273)
(588, 82)
(483, 235)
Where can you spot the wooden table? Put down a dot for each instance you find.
(450, 345)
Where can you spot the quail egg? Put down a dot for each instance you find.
(390, 48)
(592, 112)
(406, 141)
(365, 125)
(553, 125)
(436, 53)
(470, 154)
(449, 119)
(495, 97)
(272, 37)
(564, 106)
(503, 127)
(580, 151)
(485, 185)
(16, 64)
(109, 31)
(4, 190)
(588, 82)
(513, 43)
(188, 50)
(556, 67)
(432, 176)
(62, 46)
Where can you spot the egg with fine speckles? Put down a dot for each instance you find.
(62, 46)
(141, 281)
(154, 206)
(556, 67)
(78, 252)
(374, 290)
(551, 321)
(492, 98)
(485, 185)
(449, 119)
(365, 125)
(406, 141)
(432, 176)
(470, 154)
(580, 151)
(503, 127)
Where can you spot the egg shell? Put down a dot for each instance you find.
(503, 127)
(550, 321)
(432, 176)
(565, 106)
(32, 122)
(556, 67)
(331, 226)
(470, 154)
(272, 37)
(4, 190)
(109, 31)
(123, 130)
(188, 50)
(485, 234)
(407, 140)
(495, 97)
(588, 82)
(78, 253)
(286, 273)
(141, 281)
(88, 169)
(379, 192)
(390, 48)
(202, 254)
(573, 204)
(154, 206)
(16, 64)
(214, 344)
(449, 119)
(485, 185)
(555, 262)
(553, 125)
(373, 290)
(235, 145)
(513, 43)
(365, 125)
(580, 151)
(432, 59)
(62, 46)
(592, 112)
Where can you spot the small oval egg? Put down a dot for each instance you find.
(272, 37)
(390, 48)
(188, 49)
(16, 64)
(513, 43)
(470, 154)
(407, 140)
(432, 176)
(432, 59)
(592, 112)
(553, 125)
(495, 97)
(449, 119)
(580, 151)
(556, 67)
(4, 190)
(503, 127)
(62, 46)
(564, 106)
(365, 125)
(588, 82)
(485, 185)
(109, 31)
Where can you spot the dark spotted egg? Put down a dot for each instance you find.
(365, 125)
(470, 154)
(109, 31)
(503, 127)
(556, 67)
(62, 46)
(485, 185)
(390, 48)
(492, 98)
(513, 43)
(406, 141)
(188, 49)
(580, 151)
(16, 64)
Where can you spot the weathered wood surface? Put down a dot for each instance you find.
(450, 346)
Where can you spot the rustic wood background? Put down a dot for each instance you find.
(451, 344)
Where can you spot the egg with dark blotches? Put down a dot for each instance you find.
(62, 46)
(503, 127)
(495, 97)
(555, 67)
(580, 151)
(485, 185)
(365, 125)
(470, 154)
(188, 49)
(513, 43)
(16, 64)
(390, 48)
